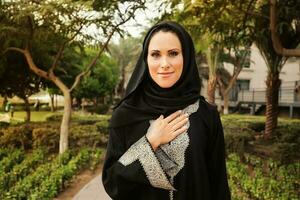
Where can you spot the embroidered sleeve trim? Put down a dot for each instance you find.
(142, 151)
(174, 152)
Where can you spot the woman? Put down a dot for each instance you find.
(166, 141)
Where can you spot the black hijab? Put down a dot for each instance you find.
(144, 99)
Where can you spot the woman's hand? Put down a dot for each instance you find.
(163, 130)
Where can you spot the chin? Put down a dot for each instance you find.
(165, 85)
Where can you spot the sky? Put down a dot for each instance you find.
(136, 26)
(142, 19)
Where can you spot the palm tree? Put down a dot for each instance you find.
(212, 57)
(126, 52)
(239, 57)
(274, 62)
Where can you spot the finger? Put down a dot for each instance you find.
(179, 124)
(173, 116)
(179, 131)
(179, 119)
(160, 117)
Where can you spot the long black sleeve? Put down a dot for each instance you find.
(126, 170)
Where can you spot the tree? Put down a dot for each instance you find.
(274, 61)
(226, 80)
(126, 52)
(246, 21)
(212, 56)
(213, 33)
(61, 26)
(100, 81)
(18, 80)
(295, 25)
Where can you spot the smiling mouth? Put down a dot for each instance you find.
(165, 74)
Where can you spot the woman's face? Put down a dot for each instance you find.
(165, 59)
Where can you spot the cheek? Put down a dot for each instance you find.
(152, 67)
(178, 65)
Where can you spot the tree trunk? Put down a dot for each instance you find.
(273, 84)
(27, 109)
(277, 45)
(226, 103)
(211, 88)
(52, 102)
(120, 87)
(4, 102)
(82, 104)
(65, 124)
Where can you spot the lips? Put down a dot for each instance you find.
(165, 74)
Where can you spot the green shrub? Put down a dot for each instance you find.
(29, 184)
(47, 137)
(237, 140)
(21, 170)
(16, 137)
(4, 124)
(54, 117)
(51, 178)
(14, 157)
(263, 179)
(102, 126)
(101, 109)
(257, 126)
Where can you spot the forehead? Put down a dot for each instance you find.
(164, 41)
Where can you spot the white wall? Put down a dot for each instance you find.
(257, 73)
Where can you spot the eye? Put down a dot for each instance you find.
(173, 53)
(155, 54)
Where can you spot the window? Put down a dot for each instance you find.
(243, 84)
(239, 85)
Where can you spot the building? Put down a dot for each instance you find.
(249, 91)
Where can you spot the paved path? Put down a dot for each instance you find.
(94, 190)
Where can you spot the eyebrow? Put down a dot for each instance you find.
(155, 50)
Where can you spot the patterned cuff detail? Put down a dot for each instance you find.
(142, 151)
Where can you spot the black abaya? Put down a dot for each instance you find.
(203, 176)
(190, 167)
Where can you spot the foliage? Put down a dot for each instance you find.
(257, 178)
(45, 136)
(19, 171)
(61, 28)
(16, 136)
(86, 131)
(126, 53)
(243, 134)
(17, 79)
(7, 163)
(101, 80)
(42, 176)
(288, 36)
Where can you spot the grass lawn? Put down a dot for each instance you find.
(35, 116)
(40, 116)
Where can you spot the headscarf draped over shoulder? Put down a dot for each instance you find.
(144, 99)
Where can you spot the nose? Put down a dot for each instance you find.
(164, 64)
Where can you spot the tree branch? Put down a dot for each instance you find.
(246, 14)
(33, 67)
(94, 61)
(279, 49)
(221, 85)
(60, 51)
(30, 62)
